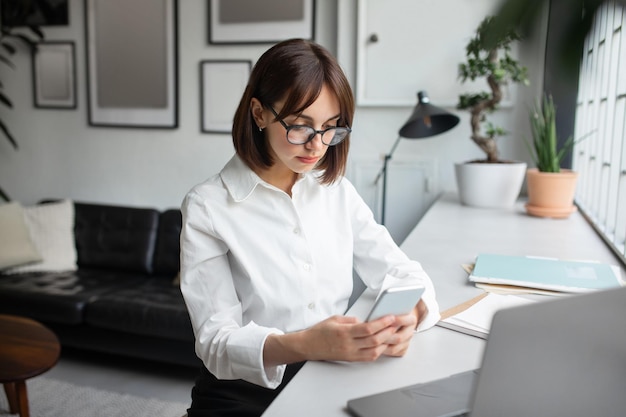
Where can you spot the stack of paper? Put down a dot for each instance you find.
(476, 319)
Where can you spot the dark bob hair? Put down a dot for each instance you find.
(294, 70)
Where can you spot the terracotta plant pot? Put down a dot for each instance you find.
(551, 194)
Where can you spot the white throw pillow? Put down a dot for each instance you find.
(16, 245)
(51, 227)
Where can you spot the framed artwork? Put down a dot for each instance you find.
(222, 85)
(34, 13)
(54, 75)
(132, 64)
(260, 21)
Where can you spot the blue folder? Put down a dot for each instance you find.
(545, 273)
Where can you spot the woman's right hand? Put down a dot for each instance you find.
(348, 339)
(338, 338)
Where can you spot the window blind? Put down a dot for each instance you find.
(600, 156)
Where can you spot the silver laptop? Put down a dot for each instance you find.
(563, 357)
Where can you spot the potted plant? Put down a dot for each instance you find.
(550, 189)
(492, 181)
(9, 38)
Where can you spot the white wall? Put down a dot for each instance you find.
(61, 156)
(376, 128)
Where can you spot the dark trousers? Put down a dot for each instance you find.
(233, 398)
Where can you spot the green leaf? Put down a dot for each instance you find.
(7, 61)
(38, 33)
(32, 44)
(545, 150)
(488, 57)
(8, 135)
(4, 196)
(493, 131)
(9, 48)
(5, 100)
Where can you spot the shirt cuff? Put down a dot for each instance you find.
(245, 351)
(432, 314)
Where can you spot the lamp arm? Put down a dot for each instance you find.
(383, 170)
(383, 173)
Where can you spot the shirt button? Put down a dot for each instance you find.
(307, 267)
(311, 306)
(296, 231)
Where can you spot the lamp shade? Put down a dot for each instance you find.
(427, 120)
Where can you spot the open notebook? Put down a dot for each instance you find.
(475, 318)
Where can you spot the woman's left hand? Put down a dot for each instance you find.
(406, 324)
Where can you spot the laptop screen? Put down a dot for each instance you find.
(563, 357)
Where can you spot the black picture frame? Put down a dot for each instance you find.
(259, 22)
(16, 13)
(222, 83)
(54, 75)
(132, 84)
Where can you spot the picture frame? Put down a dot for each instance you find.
(253, 21)
(132, 84)
(19, 13)
(222, 85)
(54, 75)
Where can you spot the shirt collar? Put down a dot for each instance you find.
(240, 180)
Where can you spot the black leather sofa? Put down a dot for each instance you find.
(122, 299)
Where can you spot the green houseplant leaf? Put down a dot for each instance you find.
(9, 41)
(544, 148)
(494, 63)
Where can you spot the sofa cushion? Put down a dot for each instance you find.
(154, 308)
(167, 254)
(51, 227)
(115, 237)
(16, 244)
(59, 297)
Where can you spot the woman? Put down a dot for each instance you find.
(269, 244)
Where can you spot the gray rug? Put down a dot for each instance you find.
(52, 398)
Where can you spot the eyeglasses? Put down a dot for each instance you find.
(301, 134)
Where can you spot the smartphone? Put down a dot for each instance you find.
(396, 301)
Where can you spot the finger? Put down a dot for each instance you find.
(373, 327)
(406, 320)
(345, 319)
(375, 340)
(402, 335)
(371, 354)
(396, 350)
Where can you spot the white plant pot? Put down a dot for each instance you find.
(489, 185)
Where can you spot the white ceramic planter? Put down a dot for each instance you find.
(489, 185)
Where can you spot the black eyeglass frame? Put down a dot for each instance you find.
(315, 132)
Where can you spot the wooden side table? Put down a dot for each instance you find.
(27, 349)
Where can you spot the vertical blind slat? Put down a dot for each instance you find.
(600, 158)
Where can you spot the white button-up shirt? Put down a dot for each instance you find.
(255, 261)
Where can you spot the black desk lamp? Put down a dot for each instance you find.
(426, 121)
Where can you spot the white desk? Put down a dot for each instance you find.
(448, 236)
